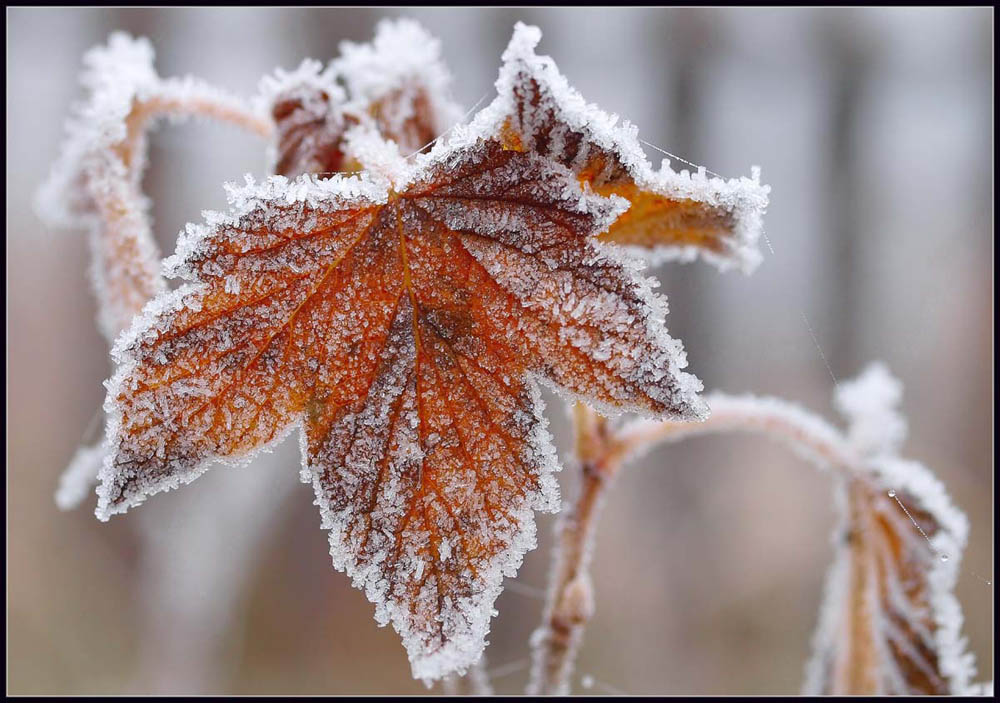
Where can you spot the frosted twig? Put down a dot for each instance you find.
(811, 436)
(874, 551)
(570, 601)
(125, 258)
(183, 98)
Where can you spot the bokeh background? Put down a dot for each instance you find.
(874, 129)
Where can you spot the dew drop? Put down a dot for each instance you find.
(892, 492)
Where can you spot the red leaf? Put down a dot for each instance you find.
(403, 331)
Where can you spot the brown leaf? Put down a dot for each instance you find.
(890, 624)
(403, 329)
(400, 81)
(307, 107)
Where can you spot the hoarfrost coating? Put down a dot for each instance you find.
(403, 317)
(483, 273)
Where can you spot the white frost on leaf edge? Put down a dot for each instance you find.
(402, 56)
(746, 198)
(309, 74)
(463, 649)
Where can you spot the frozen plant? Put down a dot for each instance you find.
(397, 290)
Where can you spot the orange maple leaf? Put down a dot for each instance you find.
(402, 317)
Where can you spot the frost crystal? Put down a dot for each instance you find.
(869, 402)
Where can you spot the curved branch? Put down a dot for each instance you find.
(897, 527)
(126, 260)
(569, 603)
(809, 435)
(180, 99)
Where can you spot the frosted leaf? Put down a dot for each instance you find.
(890, 623)
(307, 108)
(672, 215)
(400, 80)
(397, 84)
(401, 320)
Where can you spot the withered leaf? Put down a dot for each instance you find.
(403, 326)
(307, 106)
(401, 82)
(890, 624)
(397, 81)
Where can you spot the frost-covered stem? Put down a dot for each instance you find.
(856, 669)
(475, 682)
(811, 436)
(126, 260)
(601, 453)
(193, 101)
(569, 603)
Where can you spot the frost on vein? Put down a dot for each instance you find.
(402, 325)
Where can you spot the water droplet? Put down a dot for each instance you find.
(892, 492)
(944, 557)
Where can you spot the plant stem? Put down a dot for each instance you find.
(569, 603)
(190, 100)
(601, 453)
(811, 436)
(126, 258)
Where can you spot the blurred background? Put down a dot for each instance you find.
(874, 129)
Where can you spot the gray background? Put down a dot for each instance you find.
(874, 129)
